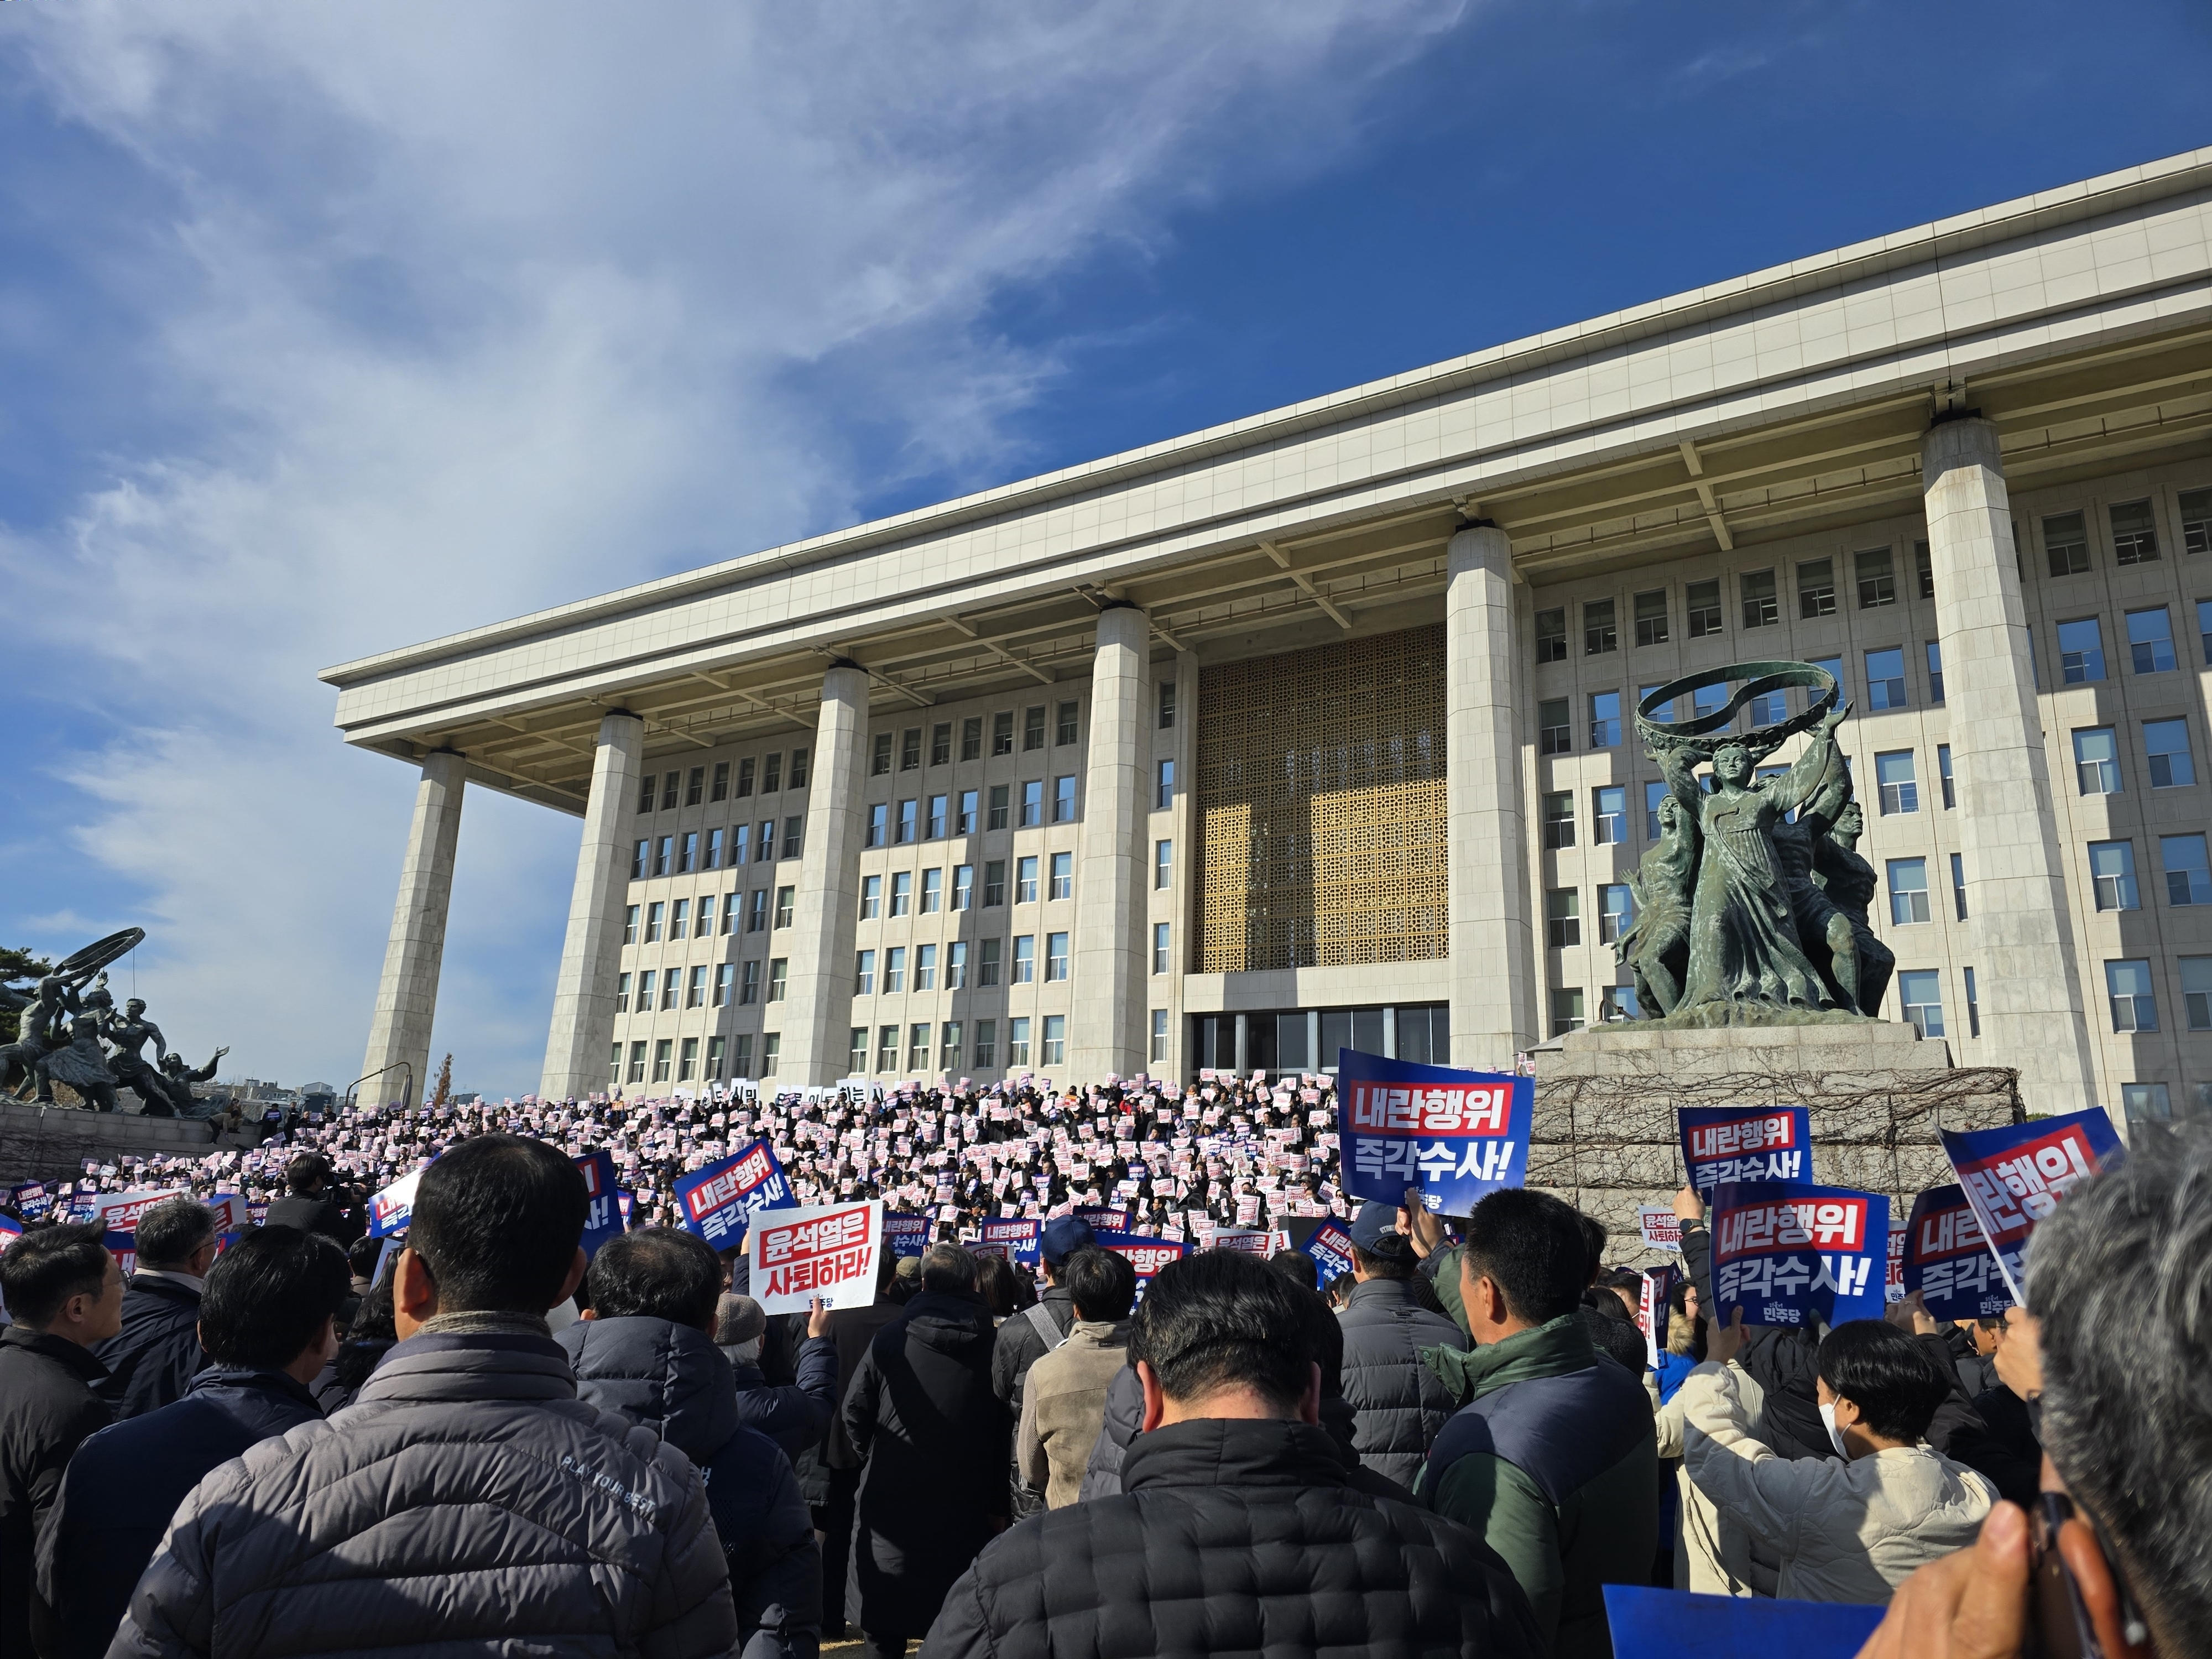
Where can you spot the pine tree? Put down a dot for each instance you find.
(445, 1095)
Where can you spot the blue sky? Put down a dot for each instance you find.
(324, 329)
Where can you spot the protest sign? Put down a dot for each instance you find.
(1017, 1237)
(1651, 1309)
(1665, 1624)
(626, 1203)
(1660, 1228)
(604, 1219)
(716, 1202)
(2015, 1176)
(1246, 1240)
(1721, 1144)
(1146, 1255)
(388, 1210)
(825, 1250)
(1458, 1135)
(1331, 1248)
(33, 1199)
(906, 1235)
(1948, 1260)
(1104, 1217)
(1789, 1253)
(123, 1246)
(119, 1212)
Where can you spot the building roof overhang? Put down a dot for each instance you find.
(2078, 321)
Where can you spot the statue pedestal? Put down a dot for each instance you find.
(1604, 1136)
(1842, 1049)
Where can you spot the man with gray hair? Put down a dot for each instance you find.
(152, 1361)
(2116, 1355)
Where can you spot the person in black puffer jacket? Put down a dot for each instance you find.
(793, 1413)
(1238, 1530)
(1400, 1404)
(467, 1494)
(645, 1349)
(933, 1436)
(368, 1338)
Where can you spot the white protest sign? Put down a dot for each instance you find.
(1248, 1240)
(1661, 1227)
(119, 1212)
(825, 1250)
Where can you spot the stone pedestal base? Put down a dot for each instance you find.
(1604, 1136)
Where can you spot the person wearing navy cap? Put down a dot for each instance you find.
(1035, 1332)
(1399, 1404)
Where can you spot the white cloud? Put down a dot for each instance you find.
(474, 309)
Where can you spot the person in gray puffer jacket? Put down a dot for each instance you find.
(645, 1349)
(467, 1501)
(1399, 1404)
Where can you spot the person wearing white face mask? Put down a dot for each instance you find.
(1854, 1527)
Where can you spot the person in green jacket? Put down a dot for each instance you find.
(1554, 1458)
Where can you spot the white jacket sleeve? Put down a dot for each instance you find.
(1769, 1496)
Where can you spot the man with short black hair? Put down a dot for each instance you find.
(922, 1415)
(1063, 1395)
(1399, 1404)
(467, 1497)
(64, 1293)
(1239, 1528)
(268, 1318)
(310, 1202)
(1554, 1460)
(151, 1361)
(646, 1348)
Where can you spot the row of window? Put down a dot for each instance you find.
(1059, 875)
(643, 924)
(2182, 860)
(904, 750)
(744, 978)
(695, 787)
(2130, 987)
(703, 849)
(935, 817)
(672, 1065)
(2168, 760)
(2150, 643)
(1896, 775)
(1872, 579)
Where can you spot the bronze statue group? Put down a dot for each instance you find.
(71, 1035)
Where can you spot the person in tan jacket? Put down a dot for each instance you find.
(1851, 1527)
(1063, 1395)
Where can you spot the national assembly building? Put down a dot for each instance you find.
(1317, 729)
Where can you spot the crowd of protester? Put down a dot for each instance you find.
(494, 1443)
(1249, 1152)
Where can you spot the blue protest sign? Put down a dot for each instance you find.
(1458, 1135)
(1146, 1256)
(388, 1210)
(1721, 1144)
(2015, 1176)
(605, 1218)
(718, 1201)
(1948, 1260)
(1665, 1624)
(626, 1201)
(1789, 1253)
(123, 1246)
(32, 1199)
(906, 1235)
(1331, 1248)
(1017, 1238)
(1103, 1218)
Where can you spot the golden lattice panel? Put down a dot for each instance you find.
(1320, 807)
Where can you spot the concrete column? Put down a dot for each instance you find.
(1390, 1031)
(407, 995)
(1107, 1021)
(1494, 963)
(816, 1016)
(2020, 926)
(591, 954)
(1243, 1044)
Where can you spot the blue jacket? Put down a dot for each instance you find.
(127, 1482)
(672, 1379)
(794, 1415)
(1673, 1370)
(152, 1360)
